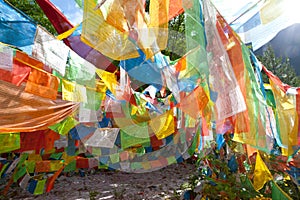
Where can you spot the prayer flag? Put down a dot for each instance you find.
(50, 51)
(136, 134)
(194, 103)
(103, 137)
(261, 173)
(73, 92)
(61, 24)
(20, 69)
(42, 84)
(267, 13)
(163, 125)
(9, 142)
(64, 126)
(6, 57)
(16, 28)
(102, 36)
(278, 193)
(34, 113)
(109, 79)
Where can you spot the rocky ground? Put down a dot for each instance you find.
(166, 183)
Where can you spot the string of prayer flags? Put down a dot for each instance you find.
(149, 113)
(257, 109)
(287, 119)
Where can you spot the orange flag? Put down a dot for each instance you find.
(24, 112)
(194, 103)
(42, 84)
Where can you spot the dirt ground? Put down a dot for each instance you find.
(165, 183)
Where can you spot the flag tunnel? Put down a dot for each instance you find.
(65, 105)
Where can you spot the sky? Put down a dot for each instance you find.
(231, 9)
(70, 9)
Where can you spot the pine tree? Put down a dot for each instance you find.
(280, 67)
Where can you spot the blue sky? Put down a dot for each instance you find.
(70, 10)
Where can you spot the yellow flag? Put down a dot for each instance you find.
(99, 31)
(73, 92)
(163, 125)
(287, 119)
(109, 79)
(261, 173)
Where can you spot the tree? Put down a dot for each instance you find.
(280, 67)
(176, 42)
(32, 9)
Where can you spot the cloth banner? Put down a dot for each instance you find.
(22, 64)
(16, 28)
(163, 125)
(9, 142)
(61, 24)
(103, 137)
(261, 173)
(50, 51)
(102, 36)
(24, 112)
(194, 103)
(6, 57)
(42, 84)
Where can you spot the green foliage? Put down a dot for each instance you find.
(32, 9)
(280, 67)
(176, 42)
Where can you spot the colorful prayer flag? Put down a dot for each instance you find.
(42, 84)
(261, 173)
